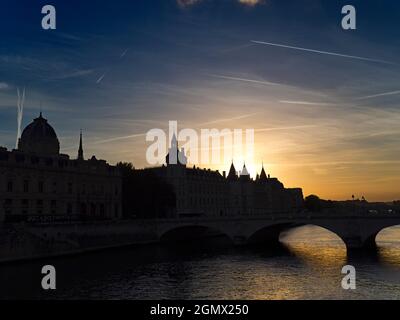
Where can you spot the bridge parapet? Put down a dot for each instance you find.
(356, 232)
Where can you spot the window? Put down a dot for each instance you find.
(69, 208)
(83, 208)
(39, 203)
(34, 160)
(19, 158)
(41, 187)
(93, 209)
(70, 188)
(116, 210)
(25, 202)
(9, 186)
(26, 186)
(53, 203)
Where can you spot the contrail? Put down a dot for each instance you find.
(324, 52)
(124, 53)
(308, 103)
(20, 111)
(391, 93)
(230, 119)
(246, 80)
(101, 78)
(120, 138)
(110, 68)
(288, 128)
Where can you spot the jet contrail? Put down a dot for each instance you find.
(246, 80)
(324, 52)
(110, 68)
(288, 128)
(230, 119)
(120, 138)
(124, 53)
(391, 93)
(20, 111)
(101, 78)
(308, 103)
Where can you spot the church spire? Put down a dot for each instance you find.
(244, 171)
(80, 150)
(263, 175)
(232, 172)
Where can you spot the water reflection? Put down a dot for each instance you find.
(388, 242)
(306, 266)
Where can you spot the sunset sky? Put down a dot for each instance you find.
(323, 101)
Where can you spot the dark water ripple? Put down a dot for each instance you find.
(308, 266)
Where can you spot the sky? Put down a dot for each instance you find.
(323, 101)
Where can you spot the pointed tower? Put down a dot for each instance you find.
(263, 175)
(175, 156)
(232, 173)
(244, 173)
(174, 142)
(80, 150)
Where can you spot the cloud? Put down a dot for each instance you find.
(251, 3)
(384, 94)
(186, 3)
(74, 74)
(4, 86)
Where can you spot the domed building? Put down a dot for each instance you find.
(36, 180)
(40, 138)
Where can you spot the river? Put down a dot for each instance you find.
(307, 266)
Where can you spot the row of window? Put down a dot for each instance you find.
(27, 187)
(26, 202)
(92, 209)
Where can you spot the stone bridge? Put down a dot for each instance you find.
(356, 231)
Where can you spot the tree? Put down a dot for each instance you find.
(313, 203)
(144, 194)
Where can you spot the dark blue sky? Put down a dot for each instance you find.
(119, 68)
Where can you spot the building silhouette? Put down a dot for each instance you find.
(37, 180)
(204, 192)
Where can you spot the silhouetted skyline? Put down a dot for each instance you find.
(118, 69)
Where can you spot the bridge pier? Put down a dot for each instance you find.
(358, 243)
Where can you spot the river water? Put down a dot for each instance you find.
(307, 266)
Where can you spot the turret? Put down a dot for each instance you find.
(244, 174)
(232, 173)
(263, 175)
(175, 156)
(80, 150)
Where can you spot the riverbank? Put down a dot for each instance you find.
(19, 242)
(25, 242)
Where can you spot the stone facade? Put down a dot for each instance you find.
(36, 180)
(203, 192)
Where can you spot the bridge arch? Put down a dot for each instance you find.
(384, 231)
(270, 234)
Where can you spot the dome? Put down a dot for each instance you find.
(39, 137)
